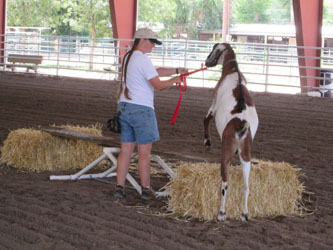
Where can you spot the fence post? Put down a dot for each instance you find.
(163, 54)
(267, 67)
(185, 54)
(4, 52)
(117, 59)
(58, 56)
(39, 44)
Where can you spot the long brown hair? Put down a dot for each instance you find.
(124, 65)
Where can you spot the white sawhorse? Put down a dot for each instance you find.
(108, 153)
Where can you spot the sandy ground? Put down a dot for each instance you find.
(36, 213)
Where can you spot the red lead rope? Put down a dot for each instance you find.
(182, 79)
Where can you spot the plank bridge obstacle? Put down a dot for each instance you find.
(109, 152)
(24, 61)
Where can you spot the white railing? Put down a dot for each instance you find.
(267, 67)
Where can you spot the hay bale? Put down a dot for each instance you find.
(34, 150)
(275, 189)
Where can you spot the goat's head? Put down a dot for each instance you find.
(220, 53)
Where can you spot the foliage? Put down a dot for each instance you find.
(164, 12)
(190, 16)
(328, 12)
(87, 17)
(279, 12)
(180, 18)
(65, 17)
(251, 11)
(29, 13)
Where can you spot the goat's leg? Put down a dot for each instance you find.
(245, 159)
(246, 174)
(226, 157)
(208, 117)
(224, 188)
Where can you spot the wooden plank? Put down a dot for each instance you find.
(105, 141)
(109, 141)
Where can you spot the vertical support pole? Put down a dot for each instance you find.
(226, 20)
(2, 30)
(123, 19)
(308, 21)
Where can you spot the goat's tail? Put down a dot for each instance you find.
(242, 133)
(241, 99)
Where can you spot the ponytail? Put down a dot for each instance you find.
(124, 65)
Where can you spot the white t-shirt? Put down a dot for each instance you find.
(139, 71)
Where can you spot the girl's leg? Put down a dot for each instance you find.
(144, 151)
(124, 159)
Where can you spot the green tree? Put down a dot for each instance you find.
(181, 16)
(27, 13)
(191, 16)
(64, 17)
(250, 11)
(184, 20)
(279, 11)
(92, 16)
(328, 12)
(195, 15)
(151, 12)
(211, 14)
(89, 16)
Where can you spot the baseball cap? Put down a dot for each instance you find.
(147, 34)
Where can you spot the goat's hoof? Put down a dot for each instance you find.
(207, 143)
(245, 217)
(221, 216)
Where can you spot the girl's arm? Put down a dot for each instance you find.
(161, 85)
(170, 71)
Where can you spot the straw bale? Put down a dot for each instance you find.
(35, 150)
(275, 189)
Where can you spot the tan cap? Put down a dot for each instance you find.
(147, 34)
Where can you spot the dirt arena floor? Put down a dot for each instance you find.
(36, 213)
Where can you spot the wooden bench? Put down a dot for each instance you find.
(25, 61)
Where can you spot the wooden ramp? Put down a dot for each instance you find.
(109, 141)
(105, 141)
(109, 152)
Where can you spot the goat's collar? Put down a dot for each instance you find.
(232, 60)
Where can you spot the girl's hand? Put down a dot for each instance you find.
(176, 79)
(182, 70)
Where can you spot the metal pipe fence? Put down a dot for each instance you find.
(267, 67)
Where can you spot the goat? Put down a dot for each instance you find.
(235, 117)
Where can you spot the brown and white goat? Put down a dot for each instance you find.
(235, 117)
